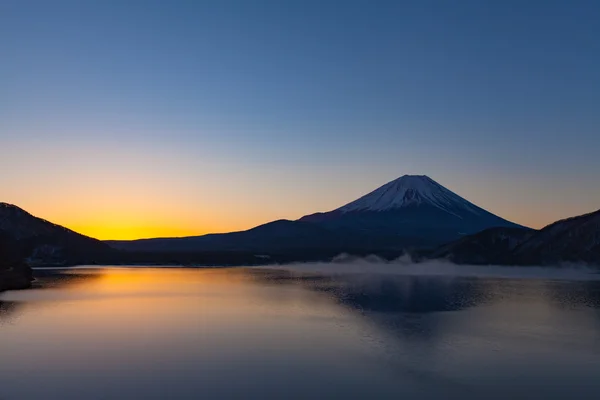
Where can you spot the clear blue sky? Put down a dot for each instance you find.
(137, 118)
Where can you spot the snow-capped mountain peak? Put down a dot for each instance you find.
(409, 190)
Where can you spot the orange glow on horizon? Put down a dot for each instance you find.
(121, 209)
(115, 232)
(132, 226)
(119, 194)
(124, 230)
(136, 219)
(136, 228)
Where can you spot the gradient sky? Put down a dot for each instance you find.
(127, 119)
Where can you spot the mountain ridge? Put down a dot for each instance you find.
(41, 242)
(410, 211)
(415, 205)
(570, 240)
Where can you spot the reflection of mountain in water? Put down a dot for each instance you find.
(402, 305)
(398, 304)
(408, 294)
(57, 278)
(44, 279)
(387, 293)
(574, 295)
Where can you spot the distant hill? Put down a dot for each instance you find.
(36, 241)
(491, 246)
(409, 212)
(26, 240)
(573, 240)
(281, 234)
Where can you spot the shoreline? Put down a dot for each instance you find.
(15, 278)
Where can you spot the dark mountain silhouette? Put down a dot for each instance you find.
(281, 234)
(14, 274)
(412, 206)
(36, 241)
(491, 246)
(409, 212)
(573, 240)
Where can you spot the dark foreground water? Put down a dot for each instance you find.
(269, 333)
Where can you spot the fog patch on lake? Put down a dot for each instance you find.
(344, 264)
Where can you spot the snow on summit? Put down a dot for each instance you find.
(409, 190)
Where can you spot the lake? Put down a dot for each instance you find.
(314, 331)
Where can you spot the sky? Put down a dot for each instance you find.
(141, 118)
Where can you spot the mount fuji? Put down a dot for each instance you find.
(411, 211)
(411, 190)
(415, 208)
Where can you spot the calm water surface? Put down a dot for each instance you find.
(266, 333)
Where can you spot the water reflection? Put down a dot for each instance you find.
(8, 312)
(252, 332)
(45, 280)
(574, 295)
(426, 313)
(387, 293)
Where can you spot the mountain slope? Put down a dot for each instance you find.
(410, 190)
(38, 241)
(574, 239)
(281, 234)
(412, 211)
(14, 274)
(412, 206)
(491, 246)
(277, 237)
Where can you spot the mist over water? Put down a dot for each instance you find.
(404, 266)
(359, 328)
